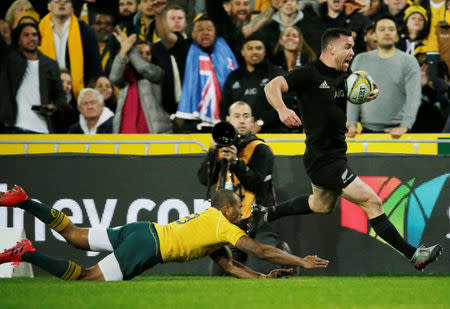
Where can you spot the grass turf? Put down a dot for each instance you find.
(423, 291)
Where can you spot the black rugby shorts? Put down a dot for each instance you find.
(334, 176)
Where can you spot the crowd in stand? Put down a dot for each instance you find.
(175, 66)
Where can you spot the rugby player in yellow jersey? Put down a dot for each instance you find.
(136, 247)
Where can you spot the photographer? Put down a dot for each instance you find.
(30, 85)
(246, 168)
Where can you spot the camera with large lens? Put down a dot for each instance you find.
(224, 134)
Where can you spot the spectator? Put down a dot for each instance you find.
(375, 7)
(335, 14)
(398, 75)
(144, 21)
(290, 15)
(95, 117)
(5, 31)
(370, 38)
(127, 11)
(438, 21)
(172, 84)
(67, 87)
(103, 28)
(234, 25)
(30, 16)
(413, 31)
(292, 50)
(103, 85)
(71, 42)
(397, 9)
(202, 89)
(68, 115)
(139, 108)
(247, 83)
(32, 90)
(434, 106)
(176, 20)
(15, 11)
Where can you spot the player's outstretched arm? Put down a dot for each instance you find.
(277, 256)
(274, 94)
(224, 259)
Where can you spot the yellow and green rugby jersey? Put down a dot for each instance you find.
(196, 235)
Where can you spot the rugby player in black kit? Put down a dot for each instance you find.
(320, 89)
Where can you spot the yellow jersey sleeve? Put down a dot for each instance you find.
(196, 235)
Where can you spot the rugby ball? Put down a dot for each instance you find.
(359, 85)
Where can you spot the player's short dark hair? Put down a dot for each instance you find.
(223, 197)
(333, 34)
(385, 16)
(15, 33)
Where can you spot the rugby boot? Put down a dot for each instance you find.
(13, 197)
(14, 254)
(425, 255)
(258, 219)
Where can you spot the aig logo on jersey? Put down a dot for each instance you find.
(339, 94)
(251, 91)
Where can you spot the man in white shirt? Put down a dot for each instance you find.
(31, 89)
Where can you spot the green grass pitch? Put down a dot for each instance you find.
(421, 291)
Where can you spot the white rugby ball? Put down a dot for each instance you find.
(359, 85)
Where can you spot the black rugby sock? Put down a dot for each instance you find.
(386, 230)
(296, 206)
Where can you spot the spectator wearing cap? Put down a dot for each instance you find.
(414, 31)
(71, 43)
(31, 86)
(247, 84)
(437, 40)
(30, 16)
(95, 117)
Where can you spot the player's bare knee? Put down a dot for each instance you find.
(91, 274)
(73, 235)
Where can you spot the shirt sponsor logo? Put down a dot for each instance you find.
(251, 91)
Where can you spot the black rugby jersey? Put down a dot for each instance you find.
(322, 103)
